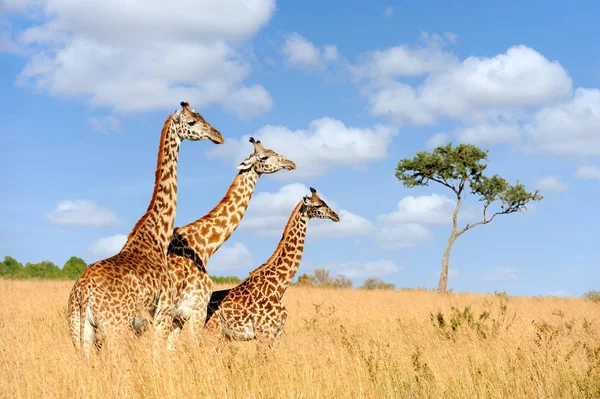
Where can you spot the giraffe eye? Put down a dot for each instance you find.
(318, 206)
(191, 123)
(264, 158)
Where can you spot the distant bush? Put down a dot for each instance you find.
(592, 295)
(373, 283)
(225, 279)
(306, 280)
(341, 281)
(72, 269)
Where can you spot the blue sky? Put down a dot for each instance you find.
(345, 90)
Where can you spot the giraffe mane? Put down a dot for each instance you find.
(277, 251)
(157, 176)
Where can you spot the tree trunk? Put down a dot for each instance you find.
(445, 260)
(455, 233)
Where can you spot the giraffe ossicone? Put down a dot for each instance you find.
(254, 309)
(193, 244)
(132, 288)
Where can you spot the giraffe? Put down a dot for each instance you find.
(131, 288)
(254, 309)
(193, 244)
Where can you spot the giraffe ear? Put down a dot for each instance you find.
(247, 163)
(177, 116)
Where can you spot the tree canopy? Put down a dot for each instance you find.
(462, 168)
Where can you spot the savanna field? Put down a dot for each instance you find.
(336, 343)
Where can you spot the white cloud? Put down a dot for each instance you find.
(376, 268)
(237, 256)
(381, 66)
(108, 246)
(107, 124)
(471, 90)
(268, 214)
(81, 213)
(327, 143)
(150, 56)
(570, 128)
(437, 140)
(550, 183)
(389, 10)
(350, 224)
(588, 172)
(489, 133)
(299, 52)
(406, 226)
(501, 274)
(433, 210)
(403, 236)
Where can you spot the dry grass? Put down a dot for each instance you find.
(356, 344)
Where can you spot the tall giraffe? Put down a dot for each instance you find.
(193, 244)
(254, 309)
(131, 287)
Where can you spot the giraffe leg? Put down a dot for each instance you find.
(163, 319)
(202, 291)
(269, 330)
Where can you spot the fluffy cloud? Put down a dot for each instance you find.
(433, 210)
(471, 90)
(588, 172)
(269, 212)
(489, 133)
(550, 183)
(327, 143)
(570, 128)
(81, 213)
(108, 246)
(407, 225)
(236, 256)
(403, 236)
(150, 56)
(376, 268)
(500, 274)
(301, 53)
(106, 124)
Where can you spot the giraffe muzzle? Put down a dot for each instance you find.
(290, 165)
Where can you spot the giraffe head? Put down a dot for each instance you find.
(315, 207)
(265, 161)
(190, 125)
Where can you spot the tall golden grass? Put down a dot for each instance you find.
(336, 343)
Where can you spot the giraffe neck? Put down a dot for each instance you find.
(206, 235)
(285, 261)
(154, 229)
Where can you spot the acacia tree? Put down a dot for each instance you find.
(460, 168)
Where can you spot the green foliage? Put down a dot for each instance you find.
(445, 165)
(483, 324)
(592, 295)
(373, 283)
(457, 167)
(10, 267)
(306, 279)
(74, 267)
(44, 269)
(225, 279)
